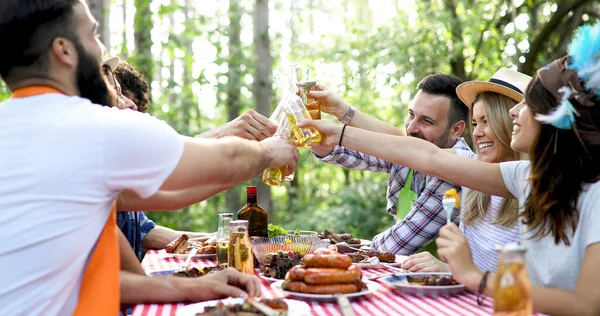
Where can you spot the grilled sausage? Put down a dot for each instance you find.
(327, 261)
(170, 248)
(332, 276)
(182, 248)
(302, 287)
(296, 273)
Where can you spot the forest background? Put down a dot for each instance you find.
(209, 61)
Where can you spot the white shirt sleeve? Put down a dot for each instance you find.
(141, 151)
(515, 175)
(590, 220)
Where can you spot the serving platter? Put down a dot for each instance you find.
(371, 287)
(295, 308)
(377, 265)
(400, 282)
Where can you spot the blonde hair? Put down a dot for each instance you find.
(476, 203)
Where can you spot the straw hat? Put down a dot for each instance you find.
(112, 62)
(505, 81)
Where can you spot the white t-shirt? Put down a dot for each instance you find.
(63, 160)
(483, 235)
(548, 264)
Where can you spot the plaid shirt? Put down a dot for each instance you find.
(426, 217)
(135, 226)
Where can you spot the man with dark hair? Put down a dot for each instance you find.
(435, 114)
(65, 160)
(133, 84)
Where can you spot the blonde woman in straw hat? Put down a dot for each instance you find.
(486, 220)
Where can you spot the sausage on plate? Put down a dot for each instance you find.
(302, 287)
(170, 248)
(331, 275)
(327, 261)
(296, 273)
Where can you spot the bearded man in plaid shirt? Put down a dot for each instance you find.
(435, 114)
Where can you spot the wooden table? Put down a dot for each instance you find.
(384, 301)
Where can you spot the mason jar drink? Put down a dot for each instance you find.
(512, 287)
(223, 237)
(240, 248)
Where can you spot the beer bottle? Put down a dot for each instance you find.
(257, 217)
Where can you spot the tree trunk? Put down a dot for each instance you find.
(142, 24)
(457, 61)
(99, 9)
(233, 88)
(262, 83)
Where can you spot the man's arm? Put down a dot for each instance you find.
(138, 289)
(129, 261)
(332, 104)
(228, 161)
(352, 159)
(250, 125)
(167, 200)
(159, 237)
(421, 225)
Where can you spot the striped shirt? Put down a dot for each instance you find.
(483, 236)
(422, 224)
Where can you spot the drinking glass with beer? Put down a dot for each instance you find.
(240, 248)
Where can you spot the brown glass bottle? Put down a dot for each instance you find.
(257, 217)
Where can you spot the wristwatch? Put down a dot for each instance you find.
(348, 116)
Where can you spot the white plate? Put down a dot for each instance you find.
(295, 308)
(165, 272)
(371, 286)
(269, 279)
(399, 260)
(400, 282)
(182, 256)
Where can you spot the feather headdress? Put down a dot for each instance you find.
(574, 77)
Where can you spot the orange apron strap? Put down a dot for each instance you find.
(34, 90)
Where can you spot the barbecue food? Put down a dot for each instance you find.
(327, 261)
(344, 288)
(278, 264)
(325, 272)
(170, 248)
(183, 245)
(431, 280)
(338, 238)
(195, 272)
(244, 309)
(363, 256)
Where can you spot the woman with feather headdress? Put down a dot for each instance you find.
(558, 190)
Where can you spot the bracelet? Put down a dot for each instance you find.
(342, 135)
(482, 284)
(348, 116)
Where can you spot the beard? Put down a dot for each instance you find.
(442, 141)
(90, 80)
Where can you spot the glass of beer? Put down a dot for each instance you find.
(311, 104)
(512, 287)
(276, 176)
(223, 238)
(240, 248)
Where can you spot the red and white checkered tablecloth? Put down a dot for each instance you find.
(384, 301)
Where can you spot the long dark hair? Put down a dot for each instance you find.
(561, 163)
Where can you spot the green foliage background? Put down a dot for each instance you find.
(374, 63)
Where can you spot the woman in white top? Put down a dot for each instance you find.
(486, 220)
(558, 124)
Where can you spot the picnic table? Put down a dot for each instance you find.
(383, 301)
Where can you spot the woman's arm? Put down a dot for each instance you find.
(417, 154)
